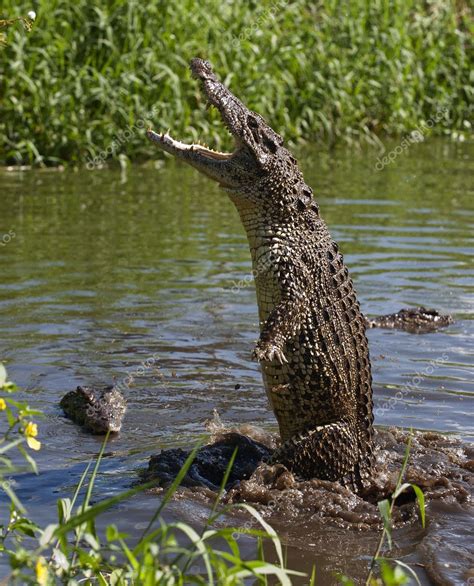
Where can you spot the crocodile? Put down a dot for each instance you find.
(312, 346)
(416, 320)
(97, 410)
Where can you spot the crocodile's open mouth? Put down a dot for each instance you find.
(256, 143)
(209, 161)
(230, 169)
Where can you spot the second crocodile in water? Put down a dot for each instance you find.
(312, 346)
(98, 410)
(416, 320)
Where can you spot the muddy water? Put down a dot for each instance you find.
(107, 272)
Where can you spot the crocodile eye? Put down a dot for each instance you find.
(253, 126)
(306, 197)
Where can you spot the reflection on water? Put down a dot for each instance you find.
(106, 271)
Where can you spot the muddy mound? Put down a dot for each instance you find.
(441, 466)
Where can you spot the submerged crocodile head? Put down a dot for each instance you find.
(416, 320)
(259, 152)
(98, 410)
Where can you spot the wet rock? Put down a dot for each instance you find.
(211, 462)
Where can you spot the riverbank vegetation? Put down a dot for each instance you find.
(83, 85)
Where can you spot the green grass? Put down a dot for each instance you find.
(73, 551)
(321, 71)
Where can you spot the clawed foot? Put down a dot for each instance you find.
(267, 352)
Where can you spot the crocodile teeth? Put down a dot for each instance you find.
(168, 142)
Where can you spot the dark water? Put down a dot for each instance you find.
(107, 271)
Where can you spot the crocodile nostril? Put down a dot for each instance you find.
(271, 146)
(252, 122)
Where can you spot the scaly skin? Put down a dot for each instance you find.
(312, 346)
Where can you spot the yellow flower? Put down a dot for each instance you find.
(31, 431)
(3, 405)
(41, 572)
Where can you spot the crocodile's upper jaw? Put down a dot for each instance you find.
(256, 142)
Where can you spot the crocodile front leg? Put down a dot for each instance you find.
(328, 452)
(282, 324)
